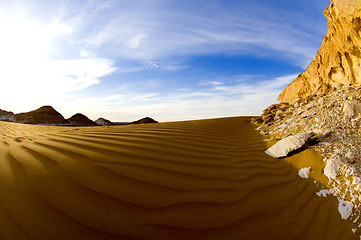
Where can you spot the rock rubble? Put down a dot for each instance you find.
(325, 102)
(335, 118)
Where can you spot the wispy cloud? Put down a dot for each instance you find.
(49, 50)
(39, 83)
(30, 73)
(237, 98)
(168, 29)
(159, 33)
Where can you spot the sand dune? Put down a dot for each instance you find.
(206, 179)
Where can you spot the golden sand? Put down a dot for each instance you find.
(205, 179)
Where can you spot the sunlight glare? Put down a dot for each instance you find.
(25, 47)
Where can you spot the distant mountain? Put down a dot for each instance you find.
(47, 115)
(80, 120)
(103, 121)
(44, 115)
(144, 120)
(122, 123)
(6, 116)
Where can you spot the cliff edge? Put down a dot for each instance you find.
(338, 61)
(324, 104)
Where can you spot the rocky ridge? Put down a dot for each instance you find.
(338, 61)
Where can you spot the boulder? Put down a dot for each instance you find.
(303, 172)
(332, 168)
(345, 208)
(287, 145)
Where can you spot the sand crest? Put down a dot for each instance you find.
(206, 179)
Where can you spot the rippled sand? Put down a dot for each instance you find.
(206, 179)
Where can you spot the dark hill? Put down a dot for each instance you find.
(43, 115)
(144, 120)
(80, 120)
(6, 116)
(103, 121)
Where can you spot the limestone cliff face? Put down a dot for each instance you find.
(338, 61)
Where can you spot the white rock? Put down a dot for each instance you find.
(282, 127)
(345, 208)
(332, 168)
(283, 147)
(357, 108)
(349, 109)
(323, 193)
(356, 180)
(303, 172)
(321, 101)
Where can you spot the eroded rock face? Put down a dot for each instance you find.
(325, 101)
(338, 61)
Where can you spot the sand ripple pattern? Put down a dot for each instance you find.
(207, 179)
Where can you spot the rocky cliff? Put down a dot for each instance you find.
(338, 61)
(324, 102)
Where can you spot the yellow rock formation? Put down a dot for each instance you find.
(338, 61)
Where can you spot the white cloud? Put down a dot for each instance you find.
(136, 41)
(26, 40)
(72, 45)
(164, 30)
(211, 83)
(235, 99)
(30, 74)
(28, 87)
(77, 74)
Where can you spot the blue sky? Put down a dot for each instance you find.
(167, 59)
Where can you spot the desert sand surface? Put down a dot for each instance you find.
(204, 179)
